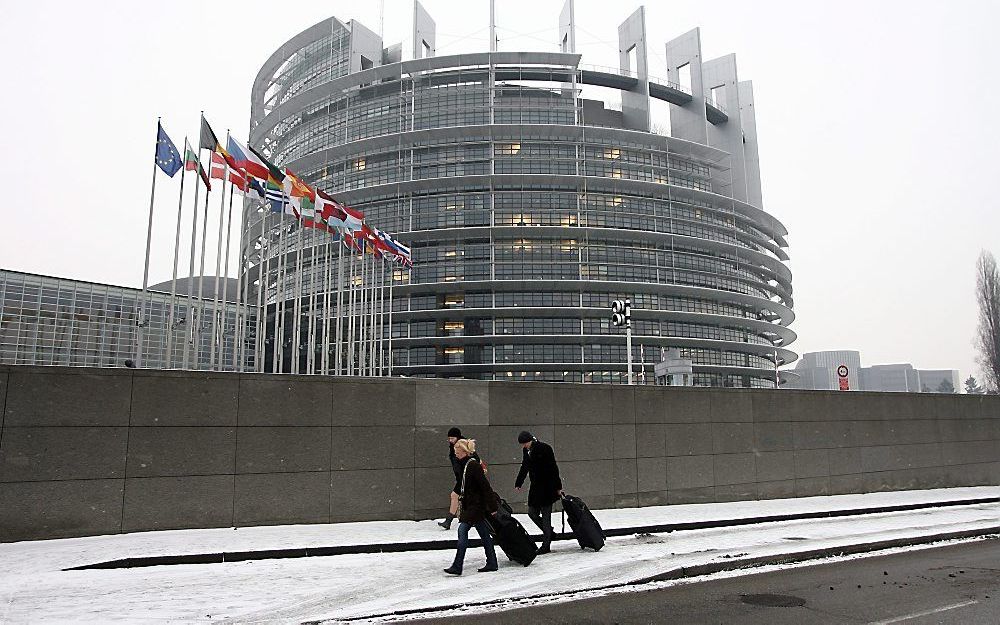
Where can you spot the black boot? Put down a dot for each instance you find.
(543, 549)
(446, 524)
(488, 568)
(453, 570)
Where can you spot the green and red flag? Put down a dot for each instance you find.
(191, 163)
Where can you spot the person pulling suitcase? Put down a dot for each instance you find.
(539, 463)
(476, 503)
(454, 434)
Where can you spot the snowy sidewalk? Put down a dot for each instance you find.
(33, 586)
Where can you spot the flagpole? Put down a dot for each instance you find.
(379, 302)
(392, 281)
(313, 300)
(139, 334)
(264, 287)
(324, 355)
(297, 305)
(363, 336)
(218, 258)
(372, 327)
(350, 319)
(189, 317)
(278, 359)
(263, 272)
(373, 360)
(381, 322)
(337, 350)
(224, 309)
(173, 279)
(242, 288)
(201, 280)
(311, 329)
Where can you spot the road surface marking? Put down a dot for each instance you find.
(925, 613)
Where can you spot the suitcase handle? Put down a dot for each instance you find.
(562, 509)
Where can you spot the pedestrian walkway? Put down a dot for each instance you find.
(35, 586)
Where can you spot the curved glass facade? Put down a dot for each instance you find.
(528, 212)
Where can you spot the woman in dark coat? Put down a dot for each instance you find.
(476, 500)
(454, 434)
(539, 463)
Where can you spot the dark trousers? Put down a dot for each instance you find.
(463, 543)
(542, 517)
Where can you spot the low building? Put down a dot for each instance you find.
(58, 321)
(818, 371)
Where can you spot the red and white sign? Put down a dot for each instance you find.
(842, 372)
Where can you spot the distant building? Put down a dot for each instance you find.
(58, 321)
(932, 379)
(818, 371)
(897, 378)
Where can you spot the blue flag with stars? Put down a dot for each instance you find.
(167, 157)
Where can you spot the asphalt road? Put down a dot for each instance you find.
(957, 584)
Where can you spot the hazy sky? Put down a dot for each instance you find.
(877, 123)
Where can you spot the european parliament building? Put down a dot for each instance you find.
(534, 190)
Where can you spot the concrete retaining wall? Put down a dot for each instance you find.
(99, 451)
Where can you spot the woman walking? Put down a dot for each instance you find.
(454, 434)
(476, 500)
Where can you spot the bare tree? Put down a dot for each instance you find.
(988, 340)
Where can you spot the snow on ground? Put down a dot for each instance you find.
(34, 588)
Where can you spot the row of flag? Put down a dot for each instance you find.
(281, 190)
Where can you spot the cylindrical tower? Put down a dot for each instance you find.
(531, 205)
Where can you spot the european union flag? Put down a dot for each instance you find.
(167, 157)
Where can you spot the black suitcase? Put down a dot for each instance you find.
(587, 530)
(511, 537)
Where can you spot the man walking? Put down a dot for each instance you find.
(539, 463)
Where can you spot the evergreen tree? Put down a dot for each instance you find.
(972, 386)
(946, 386)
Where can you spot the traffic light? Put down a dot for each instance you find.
(621, 312)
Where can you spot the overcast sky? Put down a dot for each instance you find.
(877, 123)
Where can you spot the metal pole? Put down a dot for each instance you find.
(218, 260)
(297, 303)
(381, 321)
(145, 272)
(311, 352)
(324, 360)
(392, 281)
(189, 317)
(224, 309)
(337, 350)
(278, 351)
(173, 279)
(628, 348)
(363, 318)
(201, 280)
(242, 288)
(628, 336)
(350, 319)
(263, 273)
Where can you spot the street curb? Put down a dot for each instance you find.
(440, 545)
(699, 570)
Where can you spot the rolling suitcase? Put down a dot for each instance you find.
(585, 527)
(511, 536)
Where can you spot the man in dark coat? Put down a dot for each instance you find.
(539, 463)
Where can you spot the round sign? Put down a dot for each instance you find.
(842, 371)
